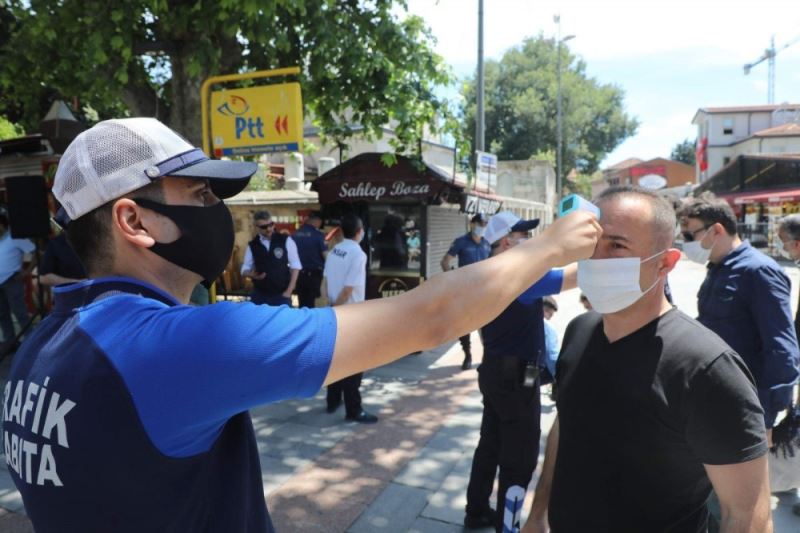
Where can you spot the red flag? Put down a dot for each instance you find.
(702, 154)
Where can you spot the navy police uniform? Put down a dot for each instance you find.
(513, 344)
(468, 251)
(310, 247)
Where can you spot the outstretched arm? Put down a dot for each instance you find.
(433, 313)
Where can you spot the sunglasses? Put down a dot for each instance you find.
(265, 226)
(689, 236)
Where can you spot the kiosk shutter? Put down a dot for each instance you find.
(444, 225)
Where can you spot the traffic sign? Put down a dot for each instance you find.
(257, 120)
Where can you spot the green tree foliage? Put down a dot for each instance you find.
(9, 130)
(361, 62)
(520, 107)
(684, 152)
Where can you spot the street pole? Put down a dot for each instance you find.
(479, 118)
(558, 114)
(559, 120)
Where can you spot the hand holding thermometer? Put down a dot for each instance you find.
(573, 202)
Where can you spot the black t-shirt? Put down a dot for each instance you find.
(639, 417)
(60, 258)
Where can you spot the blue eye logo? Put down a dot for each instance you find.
(236, 105)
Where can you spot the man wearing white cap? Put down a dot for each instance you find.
(127, 410)
(513, 348)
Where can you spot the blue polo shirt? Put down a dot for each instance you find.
(126, 411)
(310, 246)
(519, 330)
(745, 299)
(468, 251)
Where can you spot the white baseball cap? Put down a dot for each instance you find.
(115, 157)
(505, 222)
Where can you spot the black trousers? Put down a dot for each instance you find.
(509, 433)
(308, 287)
(347, 387)
(466, 344)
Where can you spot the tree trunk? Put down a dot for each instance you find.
(185, 111)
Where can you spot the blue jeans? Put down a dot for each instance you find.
(12, 301)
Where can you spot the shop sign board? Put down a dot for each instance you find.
(485, 171)
(257, 120)
(473, 204)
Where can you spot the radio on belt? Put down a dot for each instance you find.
(573, 202)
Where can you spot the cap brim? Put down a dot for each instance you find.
(227, 178)
(525, 225)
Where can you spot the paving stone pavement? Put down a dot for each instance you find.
(409, 471)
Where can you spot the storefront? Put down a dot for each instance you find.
(759, 212)
(411, 212)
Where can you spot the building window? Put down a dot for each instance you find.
(725, 161)
(727, 126)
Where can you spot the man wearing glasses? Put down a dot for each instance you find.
(271, 262)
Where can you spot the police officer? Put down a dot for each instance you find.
(469, 248)
(513, 347)
(271, 261)
(312, 249)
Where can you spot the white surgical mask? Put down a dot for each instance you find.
(478, 231)
(612, 285)
(695, 252)
(781, 248)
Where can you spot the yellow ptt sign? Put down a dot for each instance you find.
(257, 120)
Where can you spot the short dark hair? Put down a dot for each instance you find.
(663, 213)
(262, 215)
(350, 225)
(711, 210)
(791, 225)
(90, 234)
(315, 215)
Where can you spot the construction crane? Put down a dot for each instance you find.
(769, 55)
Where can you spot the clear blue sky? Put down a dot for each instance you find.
(671, 57)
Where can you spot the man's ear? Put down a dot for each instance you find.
(671, 258)
(130, 222)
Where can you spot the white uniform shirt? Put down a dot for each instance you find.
(346, 266)
(291, 250)
(12, 253)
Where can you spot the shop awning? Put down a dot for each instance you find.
(762, 197)
(365, 178)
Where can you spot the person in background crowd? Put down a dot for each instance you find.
(469, 248)
(508, 377)
(312, 249)
(148, 398)
(787, 242)
(346, 279)
(585, 302)
(745, 300)
(653, 409)
(271, 261)
(390, 244)
(60, 263)
(550, 306)
(16, 262)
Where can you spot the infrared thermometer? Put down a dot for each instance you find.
(573, 202)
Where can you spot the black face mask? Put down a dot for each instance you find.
(206, 240)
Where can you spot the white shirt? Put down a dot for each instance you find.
(346, 266)
(12, 253)
(291, 250)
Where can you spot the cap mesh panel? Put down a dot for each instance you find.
(105, 152)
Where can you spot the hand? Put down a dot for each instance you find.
(573, 236)
(535, 525)
(259, 275)
(287, 293)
